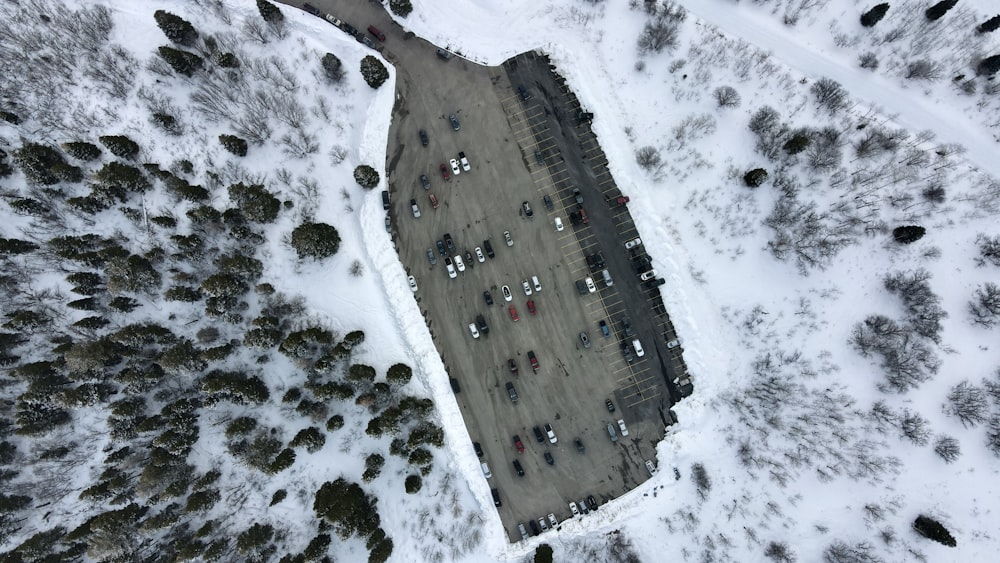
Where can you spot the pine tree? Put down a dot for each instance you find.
(315, 240)
(933, 530)
(908, 233)
(37, 161)
(333, 67)
(120, 146)
(176, 28)
(269, 12)
(234, 144)
(182, 62)
(937, 11)
(988, 66)
(989, 25)
(373, 71)
(755, 177)
(873, 16)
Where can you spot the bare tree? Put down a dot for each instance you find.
(923, 70)
(947, 448)
(648, 158)
(968, 403)
(727, 97)
(985, 305)
(779, 552)
(914, 427)
(829, 94)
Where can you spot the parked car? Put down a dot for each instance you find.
(511, 392)
(478, 449)
(474, 330)
(522, 530)
(413, 283)
(559, 224)
(548, 459)
(645, 276)
(479, 255)
(526, 287)
(525, 95)
(454, 122)
(455, 387)
(449, 242)
(481, 322)
(627, 353)
(531, 307)
(604, 328)
(505, 291)
(454, 167)
(444, 55)
(591, 262)
(583, 216)
(579, 445)
(599, 258)
(533, 360)
(424, 140)
(534, 527)
(441, 249)
(310, 8)
(536, 283)
(414, 208)
(431, 257)
(552, 520)
(538, 435)
(592, 502)
(512, 366)
(612, 432)
(581, 287)
(506, 236)
(654, 283)
(374, 31)
(675, 343)
(539, 158)
(542, 524)
(650, 467)
(489, 248)
(608, 282)
(334, 20)
(551, 434)
(517, 441)
(622, 427)
(639, 352)
(434, 200)
(513, 314)
(582, 503)
(444, 172)
(486, 469)
(459, 263)
(450, 267)
(518, 468)
(468, 259)
(590, 284)
(633, 243)
(573, 509)
(465, 161)
(577, 196)
(547, 200)
(610, 405)
(487, 297)
(385, 200)
(527, 209)
(425, 182)
(627, 327)
(585, 339)
(496, 497)
(368, 42)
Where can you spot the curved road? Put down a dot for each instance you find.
(907, 108)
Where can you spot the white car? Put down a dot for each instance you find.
(526, 286)
(479, 255)
(506, 236)
(465, 162)
(543, 524)
(506, 293)
(552, 520)
(675, 343)
(559, 224)
(538, 284)
(650, 467)
(454, 167)
(451, 268)
(621, 426)
(459, 263)
(474, 330)
(590, 285)
(413, 283)
(415, 209)
(648, 275)
(486, 470)
(551, 434)
(633, 243)
(574, 509)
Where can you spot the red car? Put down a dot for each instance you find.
(374, 31)
(512, 366)
(533, 360)
(531, 307)
(518, 444)
(622, 200)
(513, 314)
(445, 173)
(434, 201)
(583, 216)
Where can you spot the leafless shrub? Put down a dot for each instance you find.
(868, 61)
(727, 97)
(947, 448)
(829, 94)
(923, 70)
(114, 71)
(968, 403)
(648, 158)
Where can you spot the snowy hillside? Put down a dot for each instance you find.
(207, 341)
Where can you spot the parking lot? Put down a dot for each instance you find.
(522, 150)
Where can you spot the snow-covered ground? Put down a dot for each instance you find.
(777, 383)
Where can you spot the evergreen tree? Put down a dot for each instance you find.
(908, 233)
(873, 16)
(989, 25)
(270, 12)
(182, 62)
(937, 11)
(315, 240)
(401, 8)
(176, 28)
(755, 177)
(373, 71)
(37, 161)
(413, 484)
(366, 176)
(82, 150)
(347, 507)
(333, 67)
(118, 174)
(255, 202)
(234, 144)
(933, 530)
(120, 146)
(988, 66)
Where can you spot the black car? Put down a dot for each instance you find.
(483, 327)
(599, 257)
(478, 448)
(539, 157)
(548, 459)
(488, 298)
(579, 445)
(527, 209)
(548, 202)
(350, 29)
(310, 8)
(626, 327)
(627, 352)
(449, 243)
(592, 262)
(441, 249)
(489, 248)
(518, 468)
(534, 527)
(525, 95)
(454, 385)
(423, 138)
(654, 283)
(496, 497)
(610, 405)
(591, 502)
(538, 434)
(469, 261)
(425, 182)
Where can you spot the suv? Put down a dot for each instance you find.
(578, 196)
(385, 200)
(525, 95)
(489, 248)
(604, 329)
(449, 243)
(518, 444)
(441, 249)
(533, 360)
(511, 392)
(483, 327)
(374, 31)
(627, 352)
(527, 209)
(599, 256)
(538, 435)
(638, 348)
(465, 162)
(626, 327)
(612, 433)
(551, 434)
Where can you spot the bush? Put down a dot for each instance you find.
(335, 423)
(868, 60)
(348, 508)
(989, 250)
(908, 233)
(923, 307)
(373, 71)
(182, 62)
(932, 529)
(373, 466)
(366, 176)
(399, 374)
(658, 35)
(648, 158)
(176, 28)
(256, 203)
(947, 448)
(937, 11)
(401, 8)
(968, 403)
(985, 305)
(254, 538)
(923, 70)
(333, 68)
(278, 496)
(873, 16)
(234, 144)
(754, 178)
(413, 484)
(797, 143)
(829, 94)
(727, 97)
(119, 175)
(315, 240)
(227, 60)
(269, 12)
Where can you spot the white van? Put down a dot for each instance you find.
(638, 348)
(608, 282)
(486, 470)
(538, 284)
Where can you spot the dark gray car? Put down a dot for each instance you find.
(454, 122)
(430, 256)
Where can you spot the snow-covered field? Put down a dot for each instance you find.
(768, 286)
